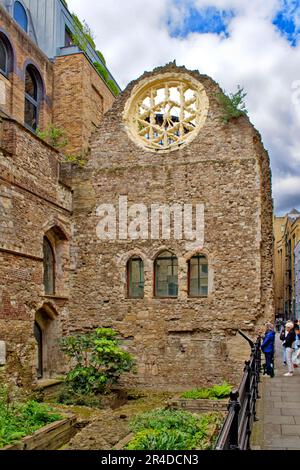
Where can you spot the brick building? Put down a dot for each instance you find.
(286, 262)
(78, 249)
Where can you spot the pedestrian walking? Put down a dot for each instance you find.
(267, 348)
(288, 344)
(282, 336)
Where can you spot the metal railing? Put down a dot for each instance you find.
(237, 427)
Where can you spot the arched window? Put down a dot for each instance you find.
(198, 276)
(135, 278)
(20, 16)
(49, 267)
(166, 275)
(32, 97)
(3, 58)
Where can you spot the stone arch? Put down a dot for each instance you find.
(165, 284)
(10, 51)
(209, 256)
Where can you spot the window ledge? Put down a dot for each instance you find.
(55, 296)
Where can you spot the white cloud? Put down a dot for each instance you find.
(134, 37)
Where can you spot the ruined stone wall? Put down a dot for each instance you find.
(182, 342)
(32, 201)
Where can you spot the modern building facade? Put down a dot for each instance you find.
(287, 236)
(165, 233)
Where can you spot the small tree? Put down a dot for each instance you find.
(233, 104)
(99, 360)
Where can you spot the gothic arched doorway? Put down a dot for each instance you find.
(38, 334)
(47, 332)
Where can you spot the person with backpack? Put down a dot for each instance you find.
(267, 348)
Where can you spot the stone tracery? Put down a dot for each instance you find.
(166, 113)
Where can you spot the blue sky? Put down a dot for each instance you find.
(211, 19)
(205, 20)
(252, 43)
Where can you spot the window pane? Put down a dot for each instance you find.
(49, 268)
(198, 276)
(30, 85)
(3, 57)
(68, 38)
(20, 16)
(136, 278)
(166, 275)
(30, 114)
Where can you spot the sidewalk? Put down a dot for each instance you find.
(278, 409)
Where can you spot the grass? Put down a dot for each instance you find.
(18, 420)
(168, 429)
(216, 392)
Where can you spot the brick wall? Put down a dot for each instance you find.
(32, 201)
(80, 100)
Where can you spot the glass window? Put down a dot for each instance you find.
(198, 276)
(49, 267)
(166, 275)
(31, 99)
(20, 16)
(30, 84)
(68, 38)
(3, 58)
(135, 278)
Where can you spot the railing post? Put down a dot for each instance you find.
(234, 431)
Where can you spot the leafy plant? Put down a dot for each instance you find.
(172, 430)
(113, 87)
(53, 136)
(101, 70)
(18, 420)
(101, 56)
(233, 104)
(99, 361)
(213, 393)
(83, 34)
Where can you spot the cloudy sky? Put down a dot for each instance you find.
(255, 44)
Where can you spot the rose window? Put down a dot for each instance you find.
(166, 113)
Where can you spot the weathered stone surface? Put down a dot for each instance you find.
(183, 342)
(179, 343)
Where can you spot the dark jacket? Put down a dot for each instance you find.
(268, 342)
(290, 338)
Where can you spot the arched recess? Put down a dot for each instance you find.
(6, 55)
(198, 270)
(34, 95)
(166, 275)
(135, 277)
(56, 259)
(47, 332)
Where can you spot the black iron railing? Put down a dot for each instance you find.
(237, 427)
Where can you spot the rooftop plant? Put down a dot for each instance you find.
(233, 105)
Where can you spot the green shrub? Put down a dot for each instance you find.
(213, 393)
(233, 104)
(101, 70)
(101, 56)
(18, 420)
(166, 429)
(53, 136)
(99, 361)
(68, 396)
(113, 87)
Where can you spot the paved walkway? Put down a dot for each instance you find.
(278, 410)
